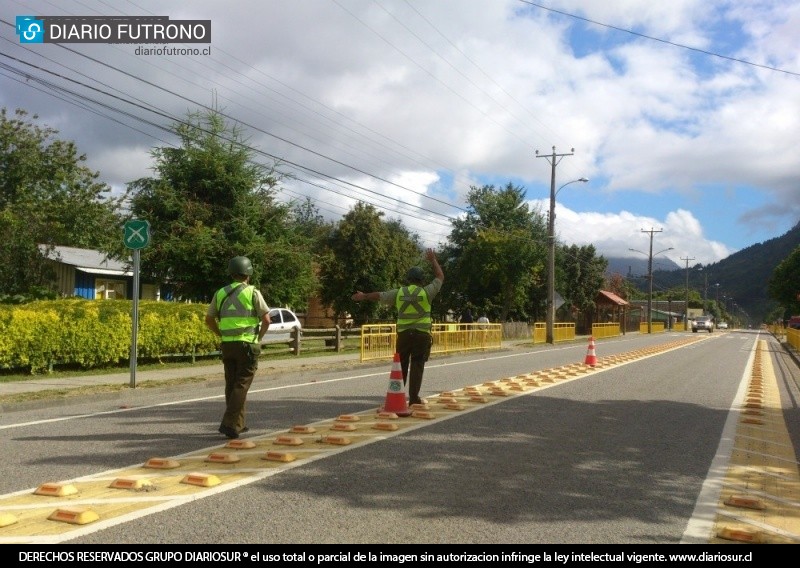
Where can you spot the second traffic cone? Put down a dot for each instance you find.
(396, 395)
(591, 357)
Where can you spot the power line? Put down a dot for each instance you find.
(672, 43)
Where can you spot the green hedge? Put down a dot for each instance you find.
(96, 333)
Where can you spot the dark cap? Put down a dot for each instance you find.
(415, 275)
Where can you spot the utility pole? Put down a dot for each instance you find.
(554, 159)
(686, 307)
(650, 278)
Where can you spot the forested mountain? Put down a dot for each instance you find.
(742, 277)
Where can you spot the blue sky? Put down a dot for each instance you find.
(684, 115)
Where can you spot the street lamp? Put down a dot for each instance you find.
(705, 289)
(650, 279)
(551, 257)
(686, 307)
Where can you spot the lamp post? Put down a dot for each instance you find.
(650, 277)
(705, 292)
(686, 307)
(551, 256)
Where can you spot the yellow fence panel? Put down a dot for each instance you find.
(379, 341)
(600, 330)
(561, 332)
(656, 326)
(539, 332)
(793, 338)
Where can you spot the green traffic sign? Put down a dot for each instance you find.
(137, 234)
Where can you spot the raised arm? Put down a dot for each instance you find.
(437, 270)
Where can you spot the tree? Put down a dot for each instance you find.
(48, 196)
(367, 254)
(784, 284)
(211, 201)
(617, 284)
(496, 257)
(308, 221)
(580, 275)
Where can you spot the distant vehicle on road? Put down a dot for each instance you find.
(703, 323)
(722, 325)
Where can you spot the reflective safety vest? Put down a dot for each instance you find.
(413, 309)
(238, 320)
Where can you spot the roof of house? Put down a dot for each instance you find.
(607, 297)
(87, 260)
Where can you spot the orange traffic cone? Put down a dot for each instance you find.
(591, 358)
(396, 395)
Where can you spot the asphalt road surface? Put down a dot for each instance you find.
(621, 453)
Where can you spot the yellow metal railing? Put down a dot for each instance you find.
(656, 326)
(561, 332)
(600, 330)
(378, 341)
(793, 338)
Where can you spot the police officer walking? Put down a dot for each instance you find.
(413, 303)
(238, 315)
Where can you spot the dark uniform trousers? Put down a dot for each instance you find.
(414, 348)
(240, 360)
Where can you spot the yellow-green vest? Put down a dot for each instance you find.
(238, 320)
(413, 309)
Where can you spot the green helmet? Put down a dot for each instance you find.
(415, 275)
(240, 266)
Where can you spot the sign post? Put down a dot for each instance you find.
(136, 236)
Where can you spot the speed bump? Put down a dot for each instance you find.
(130, 483)
(240, 444)
(162, 463)
(423, 414)
(740, 534)
(348, 418)
(288, 441)
(56, 489)
(74, 515)
(222, 457)
(201, 479)
(279, 457)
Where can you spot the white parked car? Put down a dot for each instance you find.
(722, 325)
(283, 322)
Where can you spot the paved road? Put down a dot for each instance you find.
(621, 454)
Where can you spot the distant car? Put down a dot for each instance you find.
(283, 322)
(722, 325)
(703, 323)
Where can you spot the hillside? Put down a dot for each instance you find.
(637, 266)
(743, 276)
